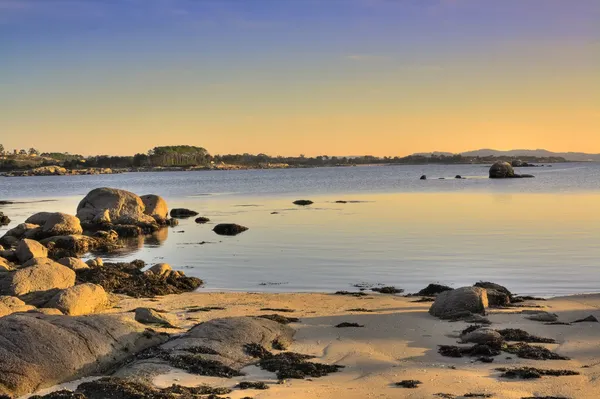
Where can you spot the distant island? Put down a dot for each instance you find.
(185, 157)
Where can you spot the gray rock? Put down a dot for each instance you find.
(465, 299)
(29, 249)
(483, 335)
(225, 339)
(543, 316)
(56, 349)
(151, 316)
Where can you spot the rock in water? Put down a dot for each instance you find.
(434, 289)
(56, 349)
(182, 213)
(202, 220)
(156, 207)
(424, 177)
(461, 300)
(229, 229)
(501, 170)
(4, 220)
(112, 206)
(29, 249)
(303, 202)
(39, 274)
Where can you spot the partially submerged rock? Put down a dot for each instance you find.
(202, 220)
(156, 207)
(129, 279)
(56, 349)
(466, 299)
(4, 220)
(434, 289)
(229, 229)
(303, 202)
(388, 290)
(504, 170)
(112, 206)
(182, 213)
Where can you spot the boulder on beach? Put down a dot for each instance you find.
(39, 274)
(156, 207)
(497, 294)
(224, 344)
(112, 206)
(55, 224)
(463, 300)
(229, 229)
(80, 299)
(29, 249)
(182, 213)
(56, 349)
(152, 316)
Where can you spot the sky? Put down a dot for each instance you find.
(289, 77)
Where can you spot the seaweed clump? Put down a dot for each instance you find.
(515, 334)
(525, 351)
(117, 388)
(252, 385)
(408, 384)
(481, 350)
(289, 364)
(528, 373)
(129, 279)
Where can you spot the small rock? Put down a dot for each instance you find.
(202, 220)
(543, 316)
(151, 316)
(73, 263)
(182, 213)
(303, 202)
(589, 319)
(161, 269)
(408, 384)
(229, 229)
(424, 177)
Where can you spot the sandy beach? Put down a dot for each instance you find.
(398, 342)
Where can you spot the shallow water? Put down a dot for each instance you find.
(538, 236)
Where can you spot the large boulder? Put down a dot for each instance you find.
(224, 342)
(11, 304)
(39, 274)
(30, 249)
(156, 207)
(40, 350)
(501, 170)
(112, 206)
(80, 299)
(56, 223)
(463, 300)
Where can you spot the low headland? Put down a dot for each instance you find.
(190, 158)
(74, 326)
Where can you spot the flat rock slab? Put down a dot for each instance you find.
(38, 351)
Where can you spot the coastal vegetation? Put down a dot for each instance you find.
(193, 157)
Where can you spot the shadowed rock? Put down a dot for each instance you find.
(466, 299)
(229, 229)
(303, 202)
(56, 349)
(182, 213)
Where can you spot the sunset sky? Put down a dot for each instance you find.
(284, 77)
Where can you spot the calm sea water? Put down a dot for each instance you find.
(537, 236)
